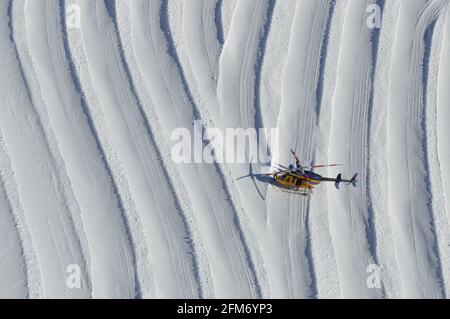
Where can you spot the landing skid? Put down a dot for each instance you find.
(302, 192)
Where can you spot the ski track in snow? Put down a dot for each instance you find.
(443, 148)
(17, 259)
(159, 213)
(178, 216)
(67, 112)
(411, 216)
(211, 32)
(147, 34)
(434, 40)
(272, 65)
(298, 111)
(87, 178)
(45, 205)
(322, 249)
(350, 219)
(13, 272)
(19, 31)
(201, 270)
(210, 28)
(203, 41)
(384, 255)
(115, 166)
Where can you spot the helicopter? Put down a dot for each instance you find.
(301, 180)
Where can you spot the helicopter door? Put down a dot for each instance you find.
(289, 180)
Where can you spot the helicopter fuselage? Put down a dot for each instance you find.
(297, 181)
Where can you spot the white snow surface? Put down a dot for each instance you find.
(91, 91)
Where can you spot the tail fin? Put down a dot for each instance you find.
(353, 180)
(338, 181)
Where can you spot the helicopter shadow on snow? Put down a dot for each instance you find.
(262, 178)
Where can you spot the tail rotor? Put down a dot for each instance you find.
(338, 180)
(353, 180)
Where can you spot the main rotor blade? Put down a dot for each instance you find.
(273, 173)
(297, 160)
(282, 166)
(324, 165)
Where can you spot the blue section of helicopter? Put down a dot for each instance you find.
(312, 175)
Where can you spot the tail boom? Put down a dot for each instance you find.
(338, 180)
